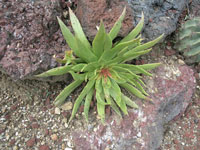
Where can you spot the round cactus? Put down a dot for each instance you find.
(188, 40)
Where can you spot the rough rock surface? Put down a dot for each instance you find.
(161, 16)
(30, 36)
(91, 12)
(195, 8)
(171, 89)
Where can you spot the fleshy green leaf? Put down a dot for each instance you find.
(108, 55)
(69, 37)
(137, 85)
(65, 93)
(88, 100)
(115, 30)
(79, 67)
(135, 31)
(114, 107)
(78, 101)
(135, 68)
(99, 41)
(101, 111)
(78, 29)
(121, 69)
(55, 71)
(99, 92)
(149, 66)
(144, 46)
(115, 92)
(77, 76)
(133, 55)
(133, 90)
(84, 53)
(129, 102)
(108, 43)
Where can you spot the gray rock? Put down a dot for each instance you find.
(161, 16)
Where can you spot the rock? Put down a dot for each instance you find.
(15, 148)
(91, 12)
(181, 62)
(44, 147)
(12, 142)
(46, 132)
(160, 16)
(195, 8)
(57, 111)
(67, 106)
(35, 125)
(143, 128)
(54, 137)
(67, 148)
(31, 142)
(30, 36)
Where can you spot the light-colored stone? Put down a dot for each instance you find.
(57, 111)
(67, 148)
(181, 62)
(15, 148)
(67, 106)
(54, 137)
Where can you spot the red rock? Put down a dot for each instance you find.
(29, 57)
(35, 125)
(12, 142)
(66, 114)
(176, 141)
(7, 116)
(44, 147)
(171, 98)
(44, 108)
(108, 111)
(2, 130)
(49, 106)
(109, 12)
(101, 130)
(169, 52)
(47, 102)
(46, 132)
(197, 76)
(13, 107)
(81, 108)
(31, 142)
(32, 119)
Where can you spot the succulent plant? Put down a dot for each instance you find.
(189, 39)
(101, 64)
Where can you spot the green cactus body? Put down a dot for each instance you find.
(189, 39)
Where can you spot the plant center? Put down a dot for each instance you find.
(105, 72)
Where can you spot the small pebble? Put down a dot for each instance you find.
(54, 137)
(139, 134)
(181, 62)
(15, 148)
(67, 106)
(67, 148)
(57, 111)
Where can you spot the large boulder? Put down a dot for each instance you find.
(171, 89)
(30, 36)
